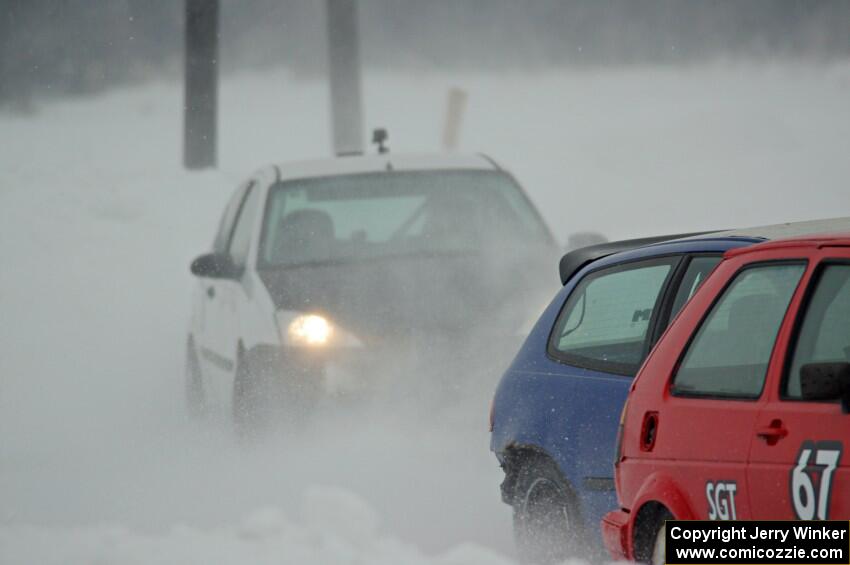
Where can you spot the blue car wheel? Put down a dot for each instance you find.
(546, 524)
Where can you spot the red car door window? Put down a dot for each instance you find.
(824, 334)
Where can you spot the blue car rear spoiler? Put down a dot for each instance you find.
(573, 261)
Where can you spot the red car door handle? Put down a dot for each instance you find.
(772, 433)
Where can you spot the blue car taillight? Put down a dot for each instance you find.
(618, 448)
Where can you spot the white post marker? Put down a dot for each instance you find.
(455, 107)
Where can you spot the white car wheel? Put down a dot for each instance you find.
(195, 398)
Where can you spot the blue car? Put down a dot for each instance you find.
(556, 410)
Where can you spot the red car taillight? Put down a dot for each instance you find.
(649, 431)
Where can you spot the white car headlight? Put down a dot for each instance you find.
(312, 330)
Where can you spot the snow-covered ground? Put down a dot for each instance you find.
(98, 223)
(338, 528)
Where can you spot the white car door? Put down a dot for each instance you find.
(233, 298)
(213, 291)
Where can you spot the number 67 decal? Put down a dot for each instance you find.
(811, 479)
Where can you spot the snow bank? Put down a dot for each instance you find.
(339, 528)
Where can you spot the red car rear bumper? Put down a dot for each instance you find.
(615, 534)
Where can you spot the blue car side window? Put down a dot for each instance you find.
(605, 322)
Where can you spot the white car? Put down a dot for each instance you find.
(328, 277)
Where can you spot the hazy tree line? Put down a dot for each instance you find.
(79, 46)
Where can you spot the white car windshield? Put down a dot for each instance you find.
(373, 215)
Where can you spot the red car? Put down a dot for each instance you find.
(741, 410)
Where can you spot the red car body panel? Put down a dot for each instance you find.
(727, 458)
